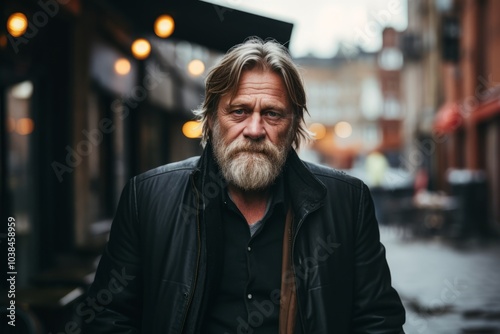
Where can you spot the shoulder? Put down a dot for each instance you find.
(171, 170)
(332, 176)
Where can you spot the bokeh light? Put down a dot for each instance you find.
(164, 26)
(23, 90)
(318, 129)
(192, 129)
(343, 129)
(122, 66)
(141, 48)
(25, 126)
(17, 24)
(196, 67)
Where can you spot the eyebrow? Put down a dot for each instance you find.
(267, 106)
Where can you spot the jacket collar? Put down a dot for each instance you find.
(306, 191)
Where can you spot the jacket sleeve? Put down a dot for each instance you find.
(377, 306)
(113, 303)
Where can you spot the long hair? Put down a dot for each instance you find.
(254, 53)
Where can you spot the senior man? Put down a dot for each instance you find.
(246, 238)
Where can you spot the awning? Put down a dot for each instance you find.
(448, 118)
(487, 110)
(213, 26)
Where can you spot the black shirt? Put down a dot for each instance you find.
(247, 296)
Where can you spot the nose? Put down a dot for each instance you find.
(254, 128)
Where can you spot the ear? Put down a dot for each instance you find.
(210, 121)
(212, 118)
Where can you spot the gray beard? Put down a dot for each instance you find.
(249, 165)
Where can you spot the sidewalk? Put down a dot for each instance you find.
(446, 288)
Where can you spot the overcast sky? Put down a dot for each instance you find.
(319, 25)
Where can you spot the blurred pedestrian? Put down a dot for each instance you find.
(376, 166)
(421, 182)
(246, 238)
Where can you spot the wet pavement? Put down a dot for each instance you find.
(446, 287)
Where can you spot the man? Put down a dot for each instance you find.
(246, 238)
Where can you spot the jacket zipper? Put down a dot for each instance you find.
(191, 293)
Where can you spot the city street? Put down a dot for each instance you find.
(447, 288)
(106, 105)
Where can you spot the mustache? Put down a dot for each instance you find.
(250, 147)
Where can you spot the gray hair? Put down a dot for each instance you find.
(254, 53)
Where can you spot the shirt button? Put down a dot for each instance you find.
(249, 296)
(249, 248)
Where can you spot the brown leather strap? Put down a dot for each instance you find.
(288, 295)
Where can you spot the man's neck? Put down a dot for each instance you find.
(252, 204)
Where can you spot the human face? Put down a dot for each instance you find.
(259, 110)
(252, 133)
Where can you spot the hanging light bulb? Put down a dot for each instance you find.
(164, 26)
(17, 24)
(141, 48)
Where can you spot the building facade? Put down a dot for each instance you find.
(345, 102)
(469, 116)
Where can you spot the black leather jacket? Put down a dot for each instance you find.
(161, 260)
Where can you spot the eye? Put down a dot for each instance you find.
(238, 112)
(272, 114)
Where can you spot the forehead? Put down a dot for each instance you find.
(260, 83)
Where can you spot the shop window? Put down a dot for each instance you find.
(20, 182)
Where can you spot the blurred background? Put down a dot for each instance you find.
(404, 94)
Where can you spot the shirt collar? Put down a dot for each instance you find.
(277, 195)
